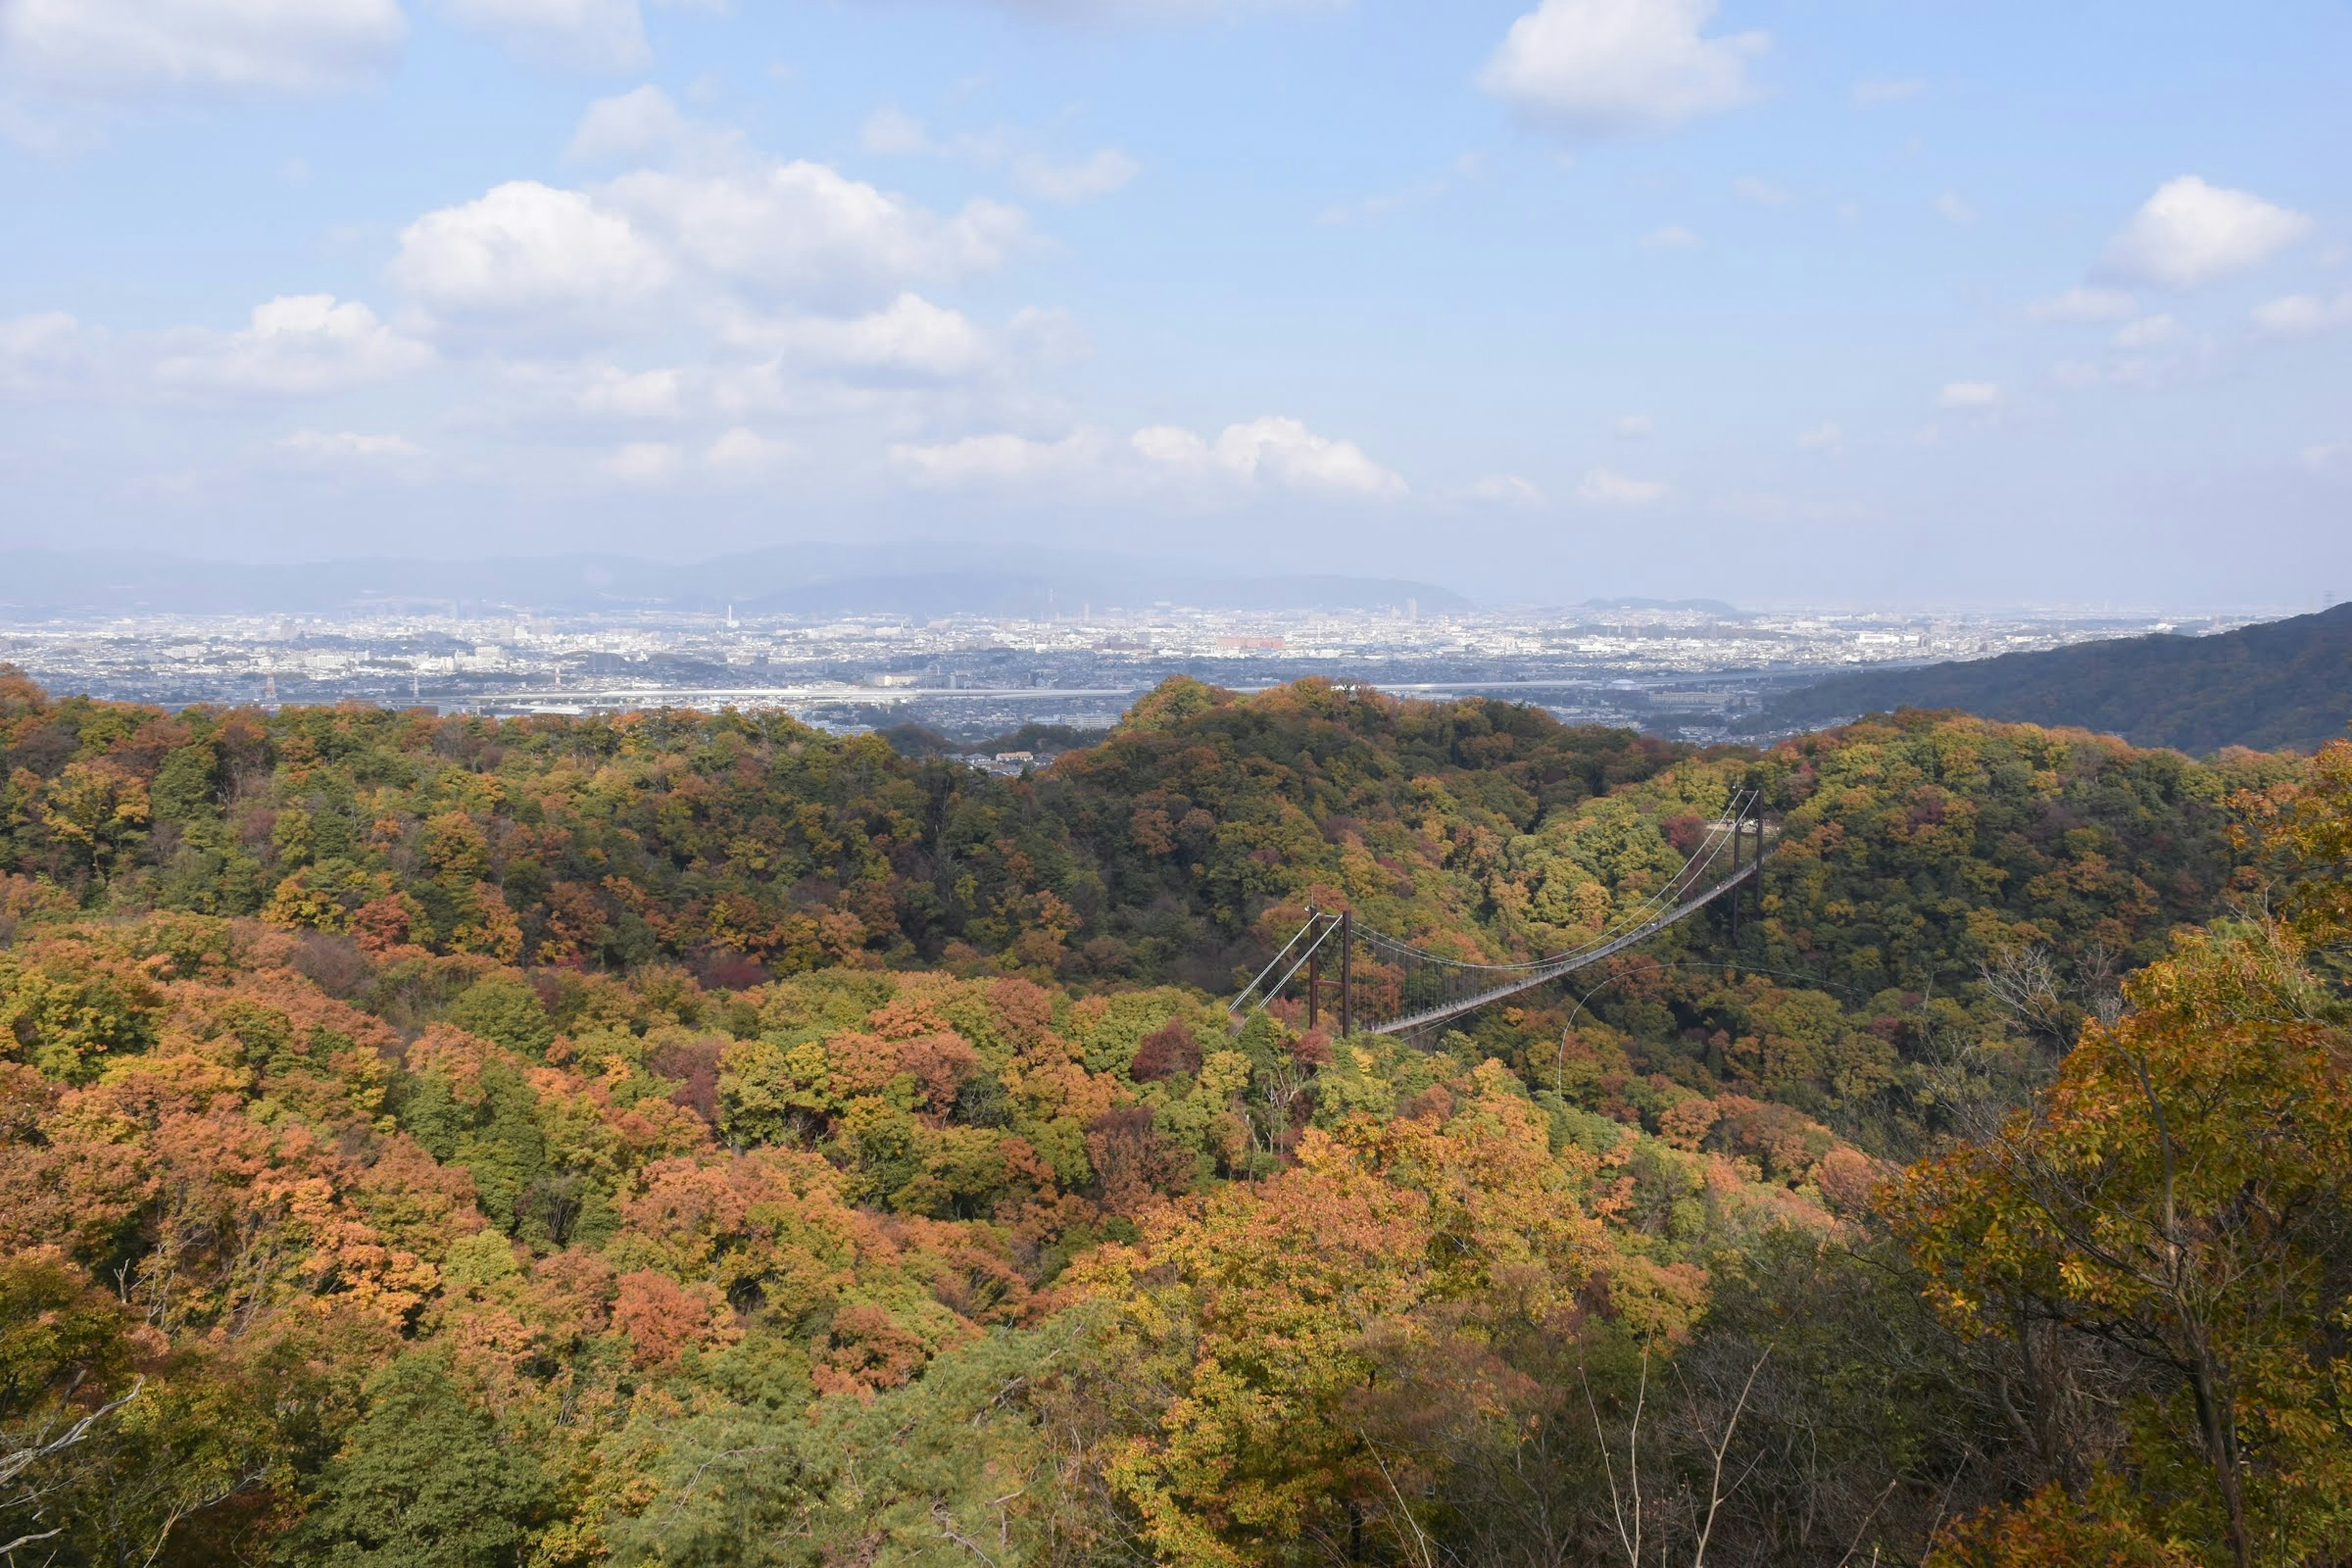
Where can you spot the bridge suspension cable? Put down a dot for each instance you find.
(1406, 989)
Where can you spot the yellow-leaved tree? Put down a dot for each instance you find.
(2180, 1195)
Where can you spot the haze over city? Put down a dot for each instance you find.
(1851, 304)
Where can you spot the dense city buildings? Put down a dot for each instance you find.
(1696, 670)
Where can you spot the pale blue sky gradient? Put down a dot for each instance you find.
(1782, 317)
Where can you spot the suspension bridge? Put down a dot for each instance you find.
(1384, 985)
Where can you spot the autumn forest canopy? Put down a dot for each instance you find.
(686, 1139)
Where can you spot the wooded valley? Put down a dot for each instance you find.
(690, 1138)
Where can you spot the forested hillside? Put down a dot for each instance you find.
(2281, 683)
(691, 1139)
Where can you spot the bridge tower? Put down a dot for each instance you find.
(1343, 926)
(1750, 819)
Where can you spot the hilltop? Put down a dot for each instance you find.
(2280, 684)
(683, 1139)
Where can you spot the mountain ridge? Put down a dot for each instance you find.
(2276, 684)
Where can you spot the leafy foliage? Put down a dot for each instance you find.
(691, 1139)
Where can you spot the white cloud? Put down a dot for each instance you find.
(2301, 313)
(1636, 427)
(1887, 89)
(526, 249)
(39, 353)
(349, 447)
(1245, 457)
(998, 460)
(295, 345)
(2082, 304)
(1674, 237)
(586, 35)
(2146, 332)
(643, 119)
(1968, 394)
(1274, 447)
(910, 336)
(1763, 193)
(1594, 67)
(2189, 233)
(892, 132)
(642, 462)
(1606, 487)
(745, 453)
(1822, 437)
(1507, 490)
(1099, 175)
(613, 393)
(895, 133)
(1951, 208)
(138, 45)
(804, 227)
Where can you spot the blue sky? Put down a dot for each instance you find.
(1851, 302)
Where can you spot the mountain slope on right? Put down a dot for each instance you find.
(2278, 684)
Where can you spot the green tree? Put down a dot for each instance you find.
(423, 1482)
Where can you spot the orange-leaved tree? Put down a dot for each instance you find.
(2180, 1194)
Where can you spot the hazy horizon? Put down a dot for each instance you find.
(1534, 300)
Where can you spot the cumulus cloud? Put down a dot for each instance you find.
(1606, 487)
(294, 345)
(998, 460)
(911, 335)
(1674, 237)
(526, 250)
(40, 352)
(1275, 448)
(641, 120)
(1636, 427)
(1822, 437)
(610, 392)
(2189, 233)
(745, 453)
(1097, 175)
(805, 228)
(642, 462)
(1953, 208)
(1598, 68)
(1274, 451)
(349, 447)
(2146, 332)
(2297, 314)
(1507, 490)
(2084, 304)
(1968, 394)
(125, 46)
(1286, 449)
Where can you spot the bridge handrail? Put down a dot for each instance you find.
(1693, 870)
(1566, 965)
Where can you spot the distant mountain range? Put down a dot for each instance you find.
(2282, 683)
(915, 579)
